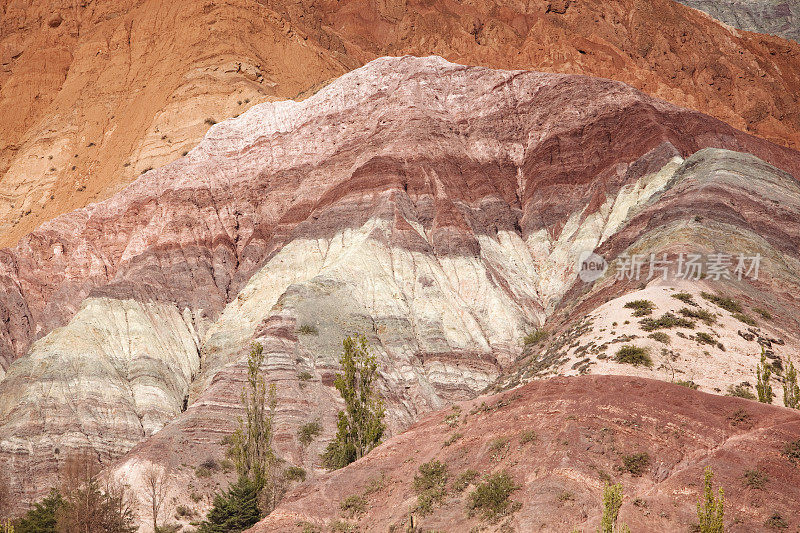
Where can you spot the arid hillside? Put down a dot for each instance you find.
(560, 441)
(92, 94)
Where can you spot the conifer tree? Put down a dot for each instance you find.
(234, 510)
(41, 518)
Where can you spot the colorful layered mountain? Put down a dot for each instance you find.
(439, 209)
(95, 93)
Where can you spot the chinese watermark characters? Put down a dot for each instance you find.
(714, 267)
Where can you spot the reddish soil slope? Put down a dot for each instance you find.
(584, 429)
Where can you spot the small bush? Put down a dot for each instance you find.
(705, 338)
(792, 450)
(307, 329)
(699, 314)
(453, 438)
(535, 337)
(202, 472)
(641, 307)
(634, 355)
(741, 390)
(429, 485)
(636, 464)
(776, 521)
(308, 432)
(294, 473)
(665, 321)
(740, 417)
(528, 437)
(741, 317)
(755, 479)
(688, 384)
(660, 336)
(210, 464)
(305, 375)
(353, 505)
(685, 297)
(183, 511)
(728, 304)
(210, 121)
(464, 479)
(766, 315)
(492, 497)
(565, 496)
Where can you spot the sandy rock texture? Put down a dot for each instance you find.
(777, 17)
(439, 209)
(95, 93)
(561, 440)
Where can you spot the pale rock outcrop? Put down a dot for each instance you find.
(778, 17)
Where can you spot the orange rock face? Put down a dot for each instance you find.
(93, 95)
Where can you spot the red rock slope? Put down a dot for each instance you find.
(94, 93)
(561, 440)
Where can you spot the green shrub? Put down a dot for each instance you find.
(705, 338)
(636, 464)
(535, 337)
(665, 321)
(182, 511)
(430, 485)
(792, 450)
(307, 329)
(492, 497)
(755, 479)
(741, 390)
(453, 438)
(699, 314)
(304, 375)
(641, 307)
(776, 521)
(353, 505)
(202, 472)
(721, 301)
(634, 355)
(687, 383)
(308, 432)
(660, 336)
(528, 436)
(464, 479)
(741, 317)
(685, 297)
(766, 315)
(294, 473)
